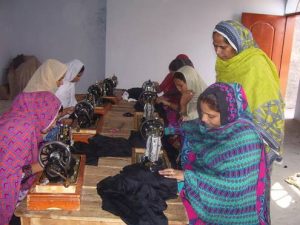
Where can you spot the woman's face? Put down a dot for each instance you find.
(223, 50)
(77, 78)
(211, 118)
(60, 81)
(180, 85)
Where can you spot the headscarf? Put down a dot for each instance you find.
(238, 36)
(197, 85)
(46, 76)
(66, 92)
(232, 101)
(253, 69)
(225, 174)
(20, 134)
(185, 59)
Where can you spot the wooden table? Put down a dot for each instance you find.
(115, 124)
(91, 212)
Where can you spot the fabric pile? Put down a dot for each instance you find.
(137, 195)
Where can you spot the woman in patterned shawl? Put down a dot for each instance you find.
(224, 175)
(240, 60)
(21, 130)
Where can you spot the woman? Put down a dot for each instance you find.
(66, 92)
(48, 77)
(223, 157)
(171, 96)
(190, 85)
(21, 130)
(240, 60)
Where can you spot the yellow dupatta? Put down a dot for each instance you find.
(258, 75)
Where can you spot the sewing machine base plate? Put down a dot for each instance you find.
(55, 196)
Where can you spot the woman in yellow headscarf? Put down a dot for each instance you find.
(240, 60)
(48, 77)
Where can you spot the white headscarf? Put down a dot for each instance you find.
(46, 76)
(66, 92)
(197, 85)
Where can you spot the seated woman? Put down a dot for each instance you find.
(66, 92)
(48, 77)
(225, 176)
(21, 130)
(190, 85)
(171, 96)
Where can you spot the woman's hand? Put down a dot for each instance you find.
(68, 110)
(66, 121)
(36, 167)
(186, 97)
(161, 100)
(171, 173)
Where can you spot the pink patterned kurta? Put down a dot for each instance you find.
(20, 134)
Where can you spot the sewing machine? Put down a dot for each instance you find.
(59, 185)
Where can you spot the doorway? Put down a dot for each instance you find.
(294, 73)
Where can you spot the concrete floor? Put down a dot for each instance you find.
(285, 198)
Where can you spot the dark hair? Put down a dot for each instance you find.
(82, 69)
(225, 39)
(179, 76)
(176, 64)
(210, 100)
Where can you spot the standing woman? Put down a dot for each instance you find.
(225, 177)
(66, 92)
(240, 60)
(21, 130)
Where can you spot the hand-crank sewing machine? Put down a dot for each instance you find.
(151, 129)
(89, 110)
(59, 185)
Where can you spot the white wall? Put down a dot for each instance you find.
(297, 109)
(143, 36)
(61, 29)
(292, 6)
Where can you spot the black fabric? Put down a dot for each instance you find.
(171, 151)
(137, 195)
(138, 106)
(136, 140)
(135, 93)
(102, 146)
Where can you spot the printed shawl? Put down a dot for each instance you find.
(66, 92)
(225, 173)
(257, 74)
(20, 133)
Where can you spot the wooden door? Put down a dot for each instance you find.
(274, 35)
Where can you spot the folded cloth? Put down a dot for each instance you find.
(137, 195)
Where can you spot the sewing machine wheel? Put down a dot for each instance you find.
(55, 157)
(152, 126)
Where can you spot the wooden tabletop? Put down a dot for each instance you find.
(114, 124)
(90, 211)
